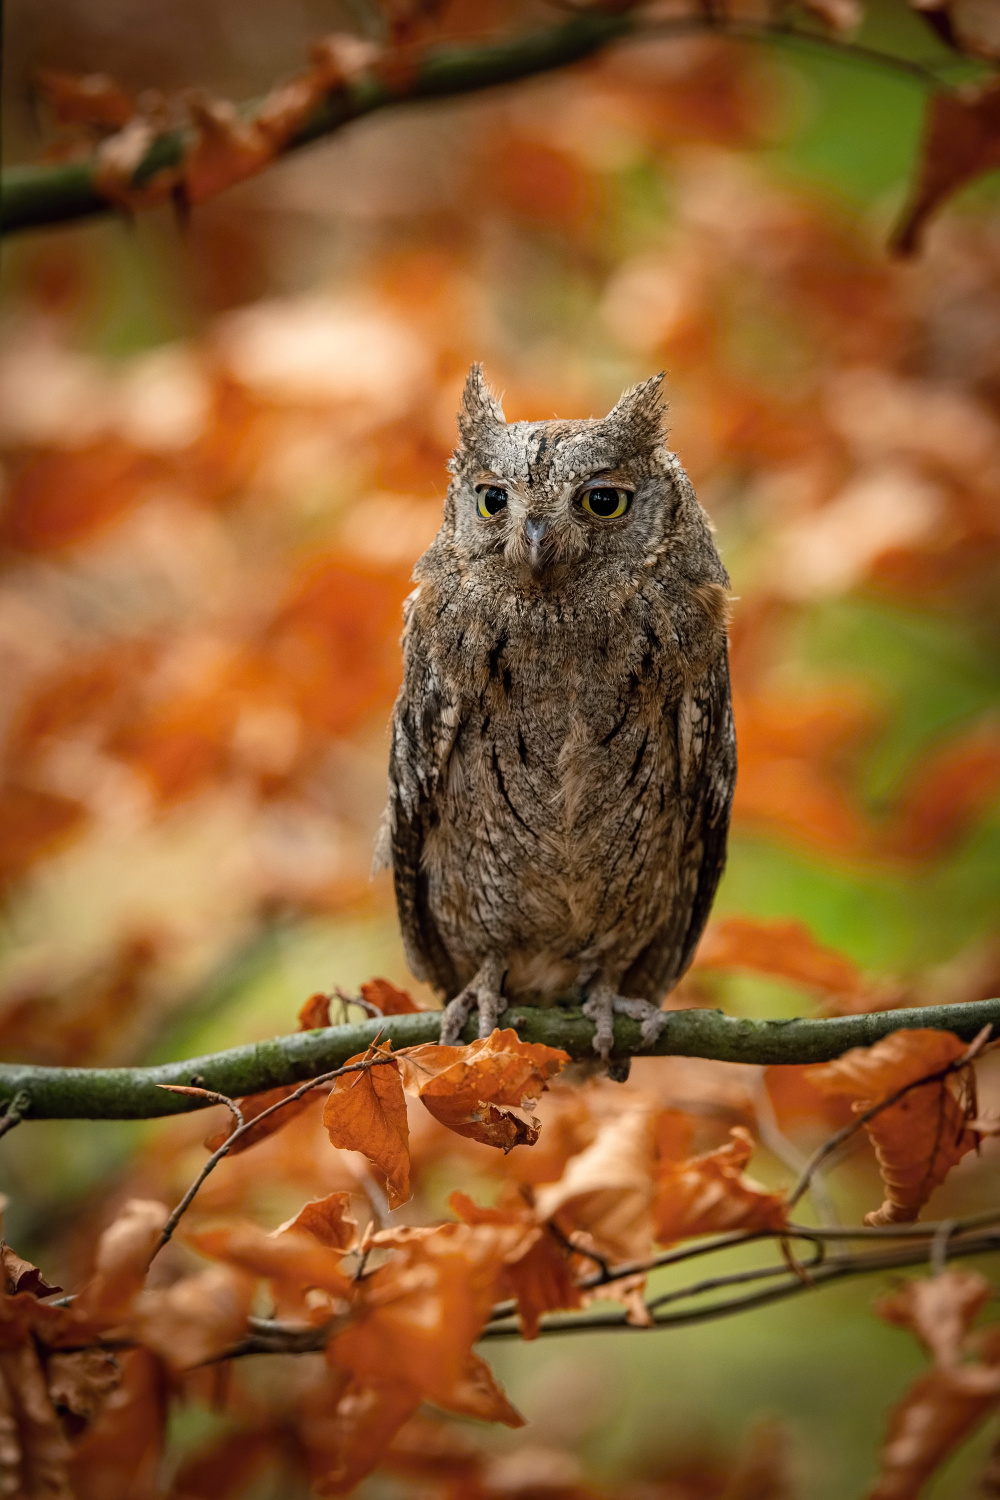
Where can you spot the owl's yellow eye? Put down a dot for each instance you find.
(605, 501)
(490, 500)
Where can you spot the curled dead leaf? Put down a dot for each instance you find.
(389, 998)
(606, 1190)
(472, 1089)
(536, 1269)
(327, 1220)
(710, 1194)
(961, 141)
(924, 1134)
(366, 1111)
(123, 1255)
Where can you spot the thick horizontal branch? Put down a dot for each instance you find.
(58, 193)
(134, 1093)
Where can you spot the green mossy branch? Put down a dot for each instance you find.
(35, 196)
(133, 1093)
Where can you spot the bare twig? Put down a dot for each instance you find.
(245, 1125)
(819, 1275)
(16, 1110)
(838, 1139)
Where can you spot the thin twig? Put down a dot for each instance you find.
(835, 1141)
(243, 1127)
(858, 1265)
(16, 1110)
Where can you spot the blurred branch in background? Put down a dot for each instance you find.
(188, 149)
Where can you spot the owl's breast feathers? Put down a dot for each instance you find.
(560, 782)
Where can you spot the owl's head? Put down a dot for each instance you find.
(549, 501)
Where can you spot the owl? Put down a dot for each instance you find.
(563, 755)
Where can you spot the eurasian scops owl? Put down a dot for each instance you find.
(563, 754)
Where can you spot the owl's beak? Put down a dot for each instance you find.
(536, 533)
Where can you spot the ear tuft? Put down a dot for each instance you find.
(640, 414)
(480, 410)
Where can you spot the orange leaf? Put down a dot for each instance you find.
(346, 1430)
(118, 1457)
(293, 1263)
(197, 1318)
(476, 1394)
(961, 141)
(456, 1083)
(94, 99)
(417, 1317)
(327, 1220)
(367, 1112)
(390, 1000)
(123, 1255)
(21, 1276)
(606, 1191)
(787, 949)
(537, 1272)
(920, 1138)
(315, 1014)
(936, 1413)
(710, 1195)
(253, 1106)
(939, 1310)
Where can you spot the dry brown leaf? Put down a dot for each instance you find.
(93, 100)
(315, 1014)
(118, 1457)
(477, 1394)
(961, 141)
(198, 1318)
(123, 1255)
(293, 1263)
(366, 1112)
(34, 1453)
(390, 1000)
(327, 1220)
(786, 949)
(709, 1194)
(938, 1411)
(457, 1083)
(417, 1317)
(21, 1276)
(607, 1190)
(80, 1384)
(920, 1138)
(536, 1271)
(939, 1310)
(225, 1468)
(346, 1430)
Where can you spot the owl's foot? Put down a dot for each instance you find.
(602, 1005)
(482, 993)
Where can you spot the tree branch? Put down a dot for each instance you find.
(135, 1093)
(58, 193)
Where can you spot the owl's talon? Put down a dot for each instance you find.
(602, 1005)
(481, 993)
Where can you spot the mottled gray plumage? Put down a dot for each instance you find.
(563, 756)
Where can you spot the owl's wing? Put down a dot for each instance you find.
(424, 727)
(706, 753)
